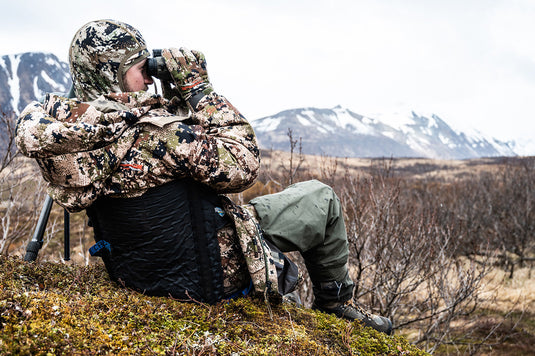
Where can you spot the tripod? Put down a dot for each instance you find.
(35, 244)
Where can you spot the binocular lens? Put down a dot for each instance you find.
(156, 66)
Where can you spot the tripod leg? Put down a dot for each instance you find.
(37, 239)
(66, 236)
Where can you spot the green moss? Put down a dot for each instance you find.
(62, 309)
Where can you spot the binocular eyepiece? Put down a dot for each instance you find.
(156, 66)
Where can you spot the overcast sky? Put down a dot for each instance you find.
(471, 62)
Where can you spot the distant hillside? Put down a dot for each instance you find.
(341, 133)
(334, 132)
(28, 76)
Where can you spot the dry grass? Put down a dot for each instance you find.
(504, 301)
(517, 294)
(502, 322)
(418, 168)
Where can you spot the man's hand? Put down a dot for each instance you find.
(176, 104)
(188, 69)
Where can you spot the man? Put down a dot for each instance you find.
(150, 171)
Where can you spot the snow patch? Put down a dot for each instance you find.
(51, 61)
(344, 119)
(267, 124)
(303, 120)
(432, 122)
(446, 141)
(311, 117)
(47, 79)
(524, 147)
(323, 130)
(36, 91)
(13, 81)
(389, 134)
(308, 112)
(368, 121)
(427, 131)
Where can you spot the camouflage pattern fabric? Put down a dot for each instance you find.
(235, 272)
(85, 153)
(113, 143)
(100, 54)
(188, 69)
(107, 156)
(257, 253)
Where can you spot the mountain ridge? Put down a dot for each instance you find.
(341, 132)
(338, 131)
(25, 77)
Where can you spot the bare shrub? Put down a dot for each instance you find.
(403, 258)
(420, 249)
(291, 169)
(512, 198)
(22, 193)
(495, 213)
(8, 150)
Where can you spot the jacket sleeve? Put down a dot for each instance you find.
(62, 125)
(220, 150)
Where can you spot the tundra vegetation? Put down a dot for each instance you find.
(443, 248)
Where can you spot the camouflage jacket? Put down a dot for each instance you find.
(123, 144)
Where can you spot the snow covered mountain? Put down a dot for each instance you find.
(28, 76)
(342, 133)
(524, 147)
(334, 132)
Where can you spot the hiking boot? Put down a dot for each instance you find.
(351, 312)
(292, 298)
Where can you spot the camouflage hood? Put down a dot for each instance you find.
(100, 54)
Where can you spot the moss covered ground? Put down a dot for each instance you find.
(61, 309)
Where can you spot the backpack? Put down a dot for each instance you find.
(164, 242)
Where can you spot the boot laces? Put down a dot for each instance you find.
(351, 304)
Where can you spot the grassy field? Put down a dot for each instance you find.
(474, 297)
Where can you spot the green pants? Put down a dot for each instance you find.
(307, 217)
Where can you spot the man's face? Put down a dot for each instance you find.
(136, 78)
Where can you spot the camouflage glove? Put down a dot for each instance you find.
(188, 69)
(175, 104)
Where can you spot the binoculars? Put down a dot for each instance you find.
(156, 66)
